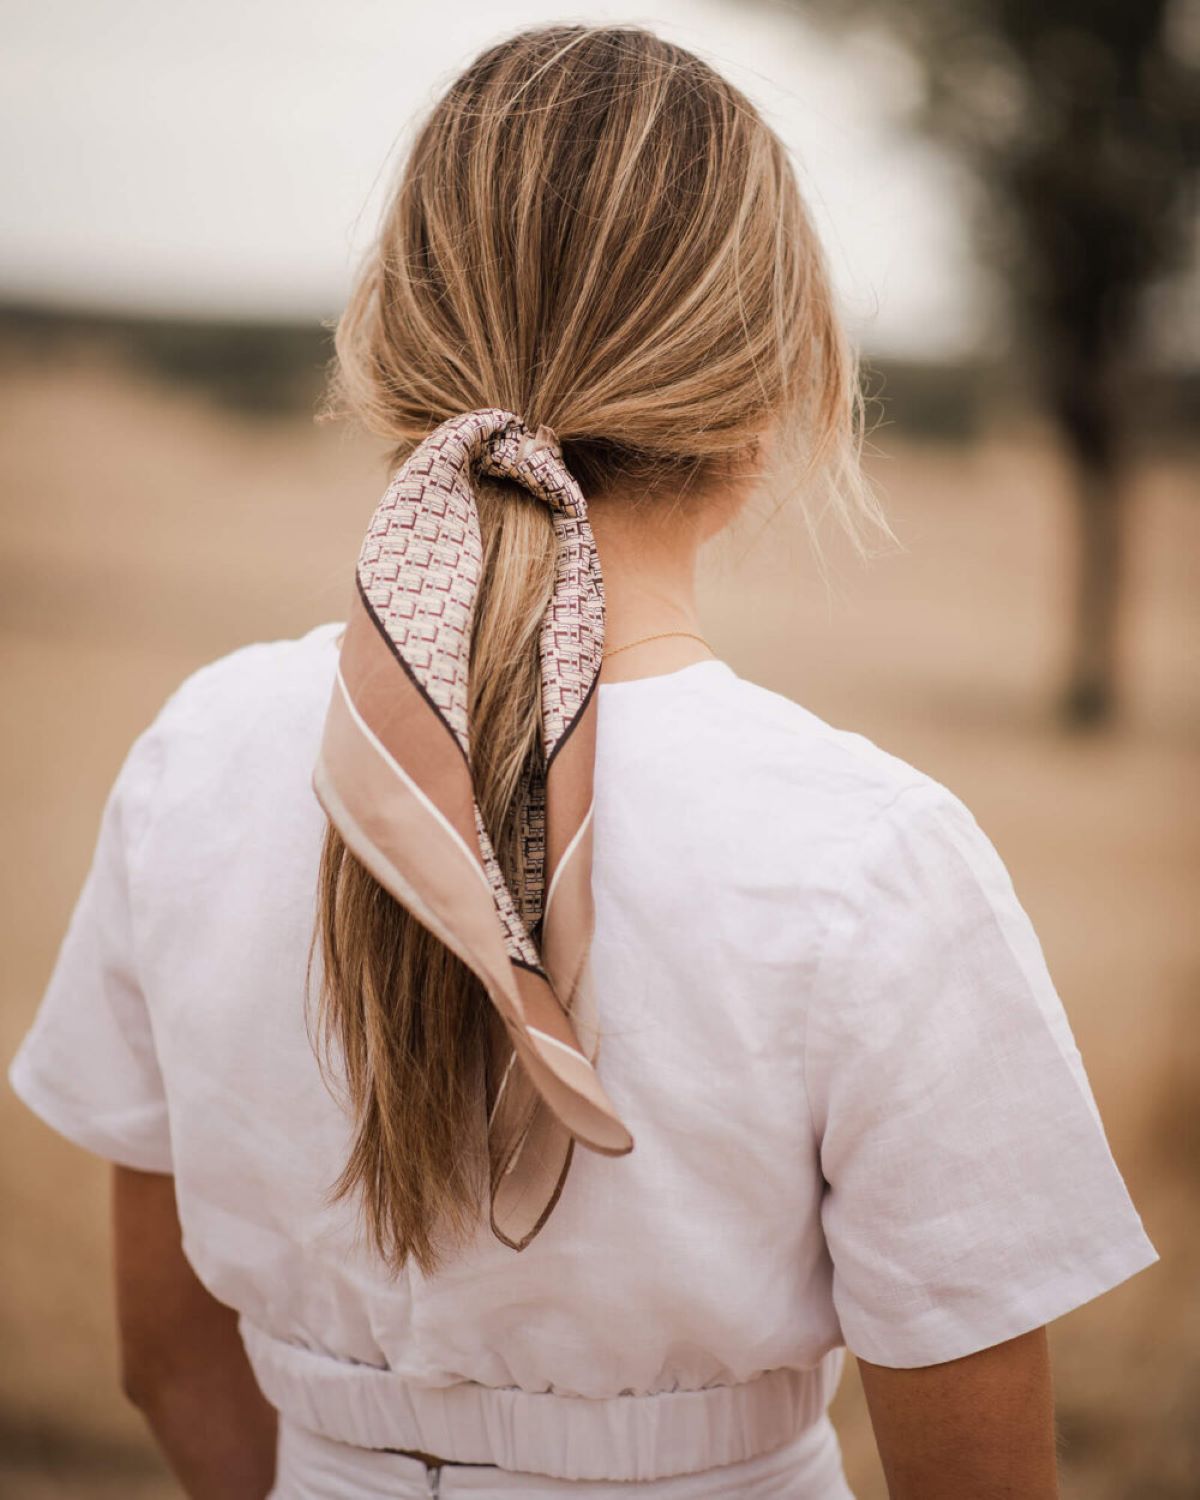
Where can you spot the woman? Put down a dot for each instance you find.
(667, 1041)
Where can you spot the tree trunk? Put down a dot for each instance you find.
(1089, 699)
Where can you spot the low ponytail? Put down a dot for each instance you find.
(596, 231)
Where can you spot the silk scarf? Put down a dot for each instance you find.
(394, 777)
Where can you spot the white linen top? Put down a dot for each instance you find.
(859, 1113)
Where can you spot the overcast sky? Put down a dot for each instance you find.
(225, 157)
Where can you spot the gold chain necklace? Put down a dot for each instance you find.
(661, 635)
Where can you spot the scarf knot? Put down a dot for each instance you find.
(533, 460)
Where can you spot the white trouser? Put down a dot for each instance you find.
(311, 1467)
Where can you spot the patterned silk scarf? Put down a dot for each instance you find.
(394, 777)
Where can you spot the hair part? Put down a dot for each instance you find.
(597, 231)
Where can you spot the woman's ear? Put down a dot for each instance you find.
(727, 497)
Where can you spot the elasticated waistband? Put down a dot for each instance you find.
(566, 1437)
(311, 1467)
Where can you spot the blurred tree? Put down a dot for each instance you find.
(1079, 121)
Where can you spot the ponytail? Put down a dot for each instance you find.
(597, 231)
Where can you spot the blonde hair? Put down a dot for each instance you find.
(597, 231)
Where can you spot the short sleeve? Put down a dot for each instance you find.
(971, 1194)
(87, 1066)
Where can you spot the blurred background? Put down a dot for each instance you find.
(1007, 193)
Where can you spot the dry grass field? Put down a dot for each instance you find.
(144, 532)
